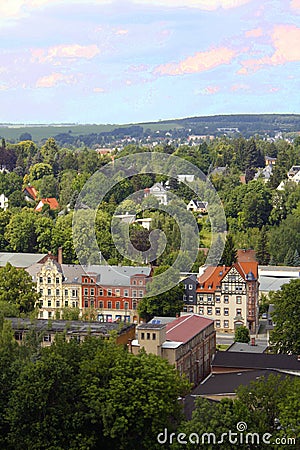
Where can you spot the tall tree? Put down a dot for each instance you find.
(285, 338)
(262, 252)
(229, 253)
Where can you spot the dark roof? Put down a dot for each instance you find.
(256, 361)
(151, 326)
(227, 383)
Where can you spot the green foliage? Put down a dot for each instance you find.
(285, 338)
(242, 334)
(229, 253)
(17, 288)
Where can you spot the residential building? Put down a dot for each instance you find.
(59, 286)
(30, 193)
(159, 192)
(188, 342)
(270, 161)
(197, 206)
(228, 295)
(73, 329)
(3, 202)
(190, 284)
(264, 174)
(112, 293)
(51, 201)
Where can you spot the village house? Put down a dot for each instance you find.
(197, 206)
(159, 192)
(51, 201)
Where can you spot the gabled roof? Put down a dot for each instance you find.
(20, 260)
(31, 191)
(212, 277)
(51, 201)
(117, 275)
(184, 328)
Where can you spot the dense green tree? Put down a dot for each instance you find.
(242, 334)
(262, 251)
(17, 288)
(39, 170)
(285, 337)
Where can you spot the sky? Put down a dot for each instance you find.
(126, 61)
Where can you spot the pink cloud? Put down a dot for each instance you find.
(74, 51)
(257, 32)
(200, 62)
(285, 39)
(295, 4)
(121, 32)
(239, 87)
(208, 5)
(53, 79)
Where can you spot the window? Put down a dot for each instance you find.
(66, 303)
(117, 305)
(184, 298)
(57, 303)
(86, 303)
(201, 310)
(49, 314)
(190, 287)
(49, 303)
(142, 336)
(41, 314)
(74, 293)
(92, 303)
(49, 291)
(226, 312)
(47, 338)
(57, 292)
(126, 293)
(92, 292)
(141, 293)
(66, 292)
(18, 335)
(191, 298)
(218, 311)
(100, 291)
(109, 305)
(49, 280)
(134, 304)
(85, 280)
(126, 305)
(218, 323)
(101, 304)
(226, 323)
(41, 279)
(41, 291)
(226, 299)
(238, 312)
(148, 336)
(109, 292)
(117, 291)
(209, 310)
(86, 291)
(218, 299)
(200, 298)
(57, 280)
(153, 336)
(134, 282)
(239, 300)
(134, 293)
(140, 282)
(74, 304)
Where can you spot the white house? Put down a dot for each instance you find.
(159, 192)
(197, 206)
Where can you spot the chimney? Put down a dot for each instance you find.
(59, 255)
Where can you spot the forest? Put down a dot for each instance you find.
(259, 216)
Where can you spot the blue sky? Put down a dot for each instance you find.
(115, 61)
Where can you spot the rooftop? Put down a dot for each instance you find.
(184, 328)
(20, 260)
(247, 360)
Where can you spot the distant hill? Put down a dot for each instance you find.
(91, 134)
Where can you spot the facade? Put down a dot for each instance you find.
(59, 286)
(197, 206)
(159, 192)
(190, 293)
(188, 342)
(112, 293)
(229, 296)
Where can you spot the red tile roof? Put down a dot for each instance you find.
(213, 275)
(32, 192)
(186, 327)
(51, 201)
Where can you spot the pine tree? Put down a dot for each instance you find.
(262, 253)
(289, 258)
(229, 254)
(296, 259)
